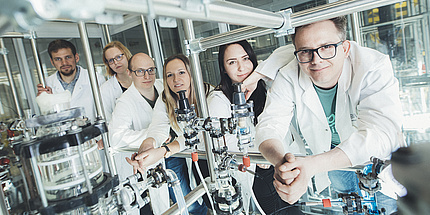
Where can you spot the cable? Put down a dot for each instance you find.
(205, 186)
(261, 177)
(283, 208)
(255, 198)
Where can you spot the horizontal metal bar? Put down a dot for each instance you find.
(15, 35)
(218, 11)
(300, 18)
(255, 157)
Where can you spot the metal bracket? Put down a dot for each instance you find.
(193, 46)
(286, 28)
(31, 35)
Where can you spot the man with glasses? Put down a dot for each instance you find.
(70, 77)
(131, 117)
(343, 102)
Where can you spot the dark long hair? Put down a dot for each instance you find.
(259, 95)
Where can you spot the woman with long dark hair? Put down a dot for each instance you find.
(236, 62)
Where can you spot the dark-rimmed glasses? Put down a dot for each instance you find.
(141, 72)
(116, 58)
(325, 52)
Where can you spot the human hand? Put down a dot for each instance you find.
(144, 159)
(133, 162)
(284, 175)
(250, 84)
(100, 145)
(264, 166)
(292, 177)
(41, 89)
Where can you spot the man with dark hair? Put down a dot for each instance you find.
(130, 120)
(343, 101)
(70, 77)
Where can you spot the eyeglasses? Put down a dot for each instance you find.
(325, 52)
(117, 58)
(141, 72)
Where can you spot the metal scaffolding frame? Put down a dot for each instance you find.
(263, 23)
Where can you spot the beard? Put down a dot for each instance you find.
(68, 72)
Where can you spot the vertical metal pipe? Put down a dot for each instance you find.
(3, 207)
(38, 178)
(155, 45)
(27, 77)
(106, 35)
(202, 106)
(356, 32)
(36, 58)
(426, 38)
(96, 92)
(11, 81)
(145, 33)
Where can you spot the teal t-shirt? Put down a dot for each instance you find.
(328, 101)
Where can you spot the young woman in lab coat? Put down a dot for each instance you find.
(115, 58)
(176, 77)
(236, 62)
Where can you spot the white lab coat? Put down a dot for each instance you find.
(368, 109)
(127, 129)
(110, 91)
(82, 95)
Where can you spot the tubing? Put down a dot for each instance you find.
(205, 186)
(177, 190)
(255, 199)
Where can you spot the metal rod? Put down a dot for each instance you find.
(37, 59)
(11, 81)
(202, 106)
(145, 33)
(356, 33)
(38, 178)
(27, 77)
(154, 40)
(106, 34)
(190, 198)
(218, 11)
(14, 35)
(3, 206)
(82, 161)
(300, 18)
(96, 93)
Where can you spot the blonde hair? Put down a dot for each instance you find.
(119, 46)
(170, 98)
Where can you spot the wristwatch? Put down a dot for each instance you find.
(168, 152)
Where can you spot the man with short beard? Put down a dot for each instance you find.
(70, 77)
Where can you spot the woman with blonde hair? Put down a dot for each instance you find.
(176, 77)
(115, 58)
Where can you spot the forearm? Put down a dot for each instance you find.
(147, 144)
(272, 150)
(331, 160)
